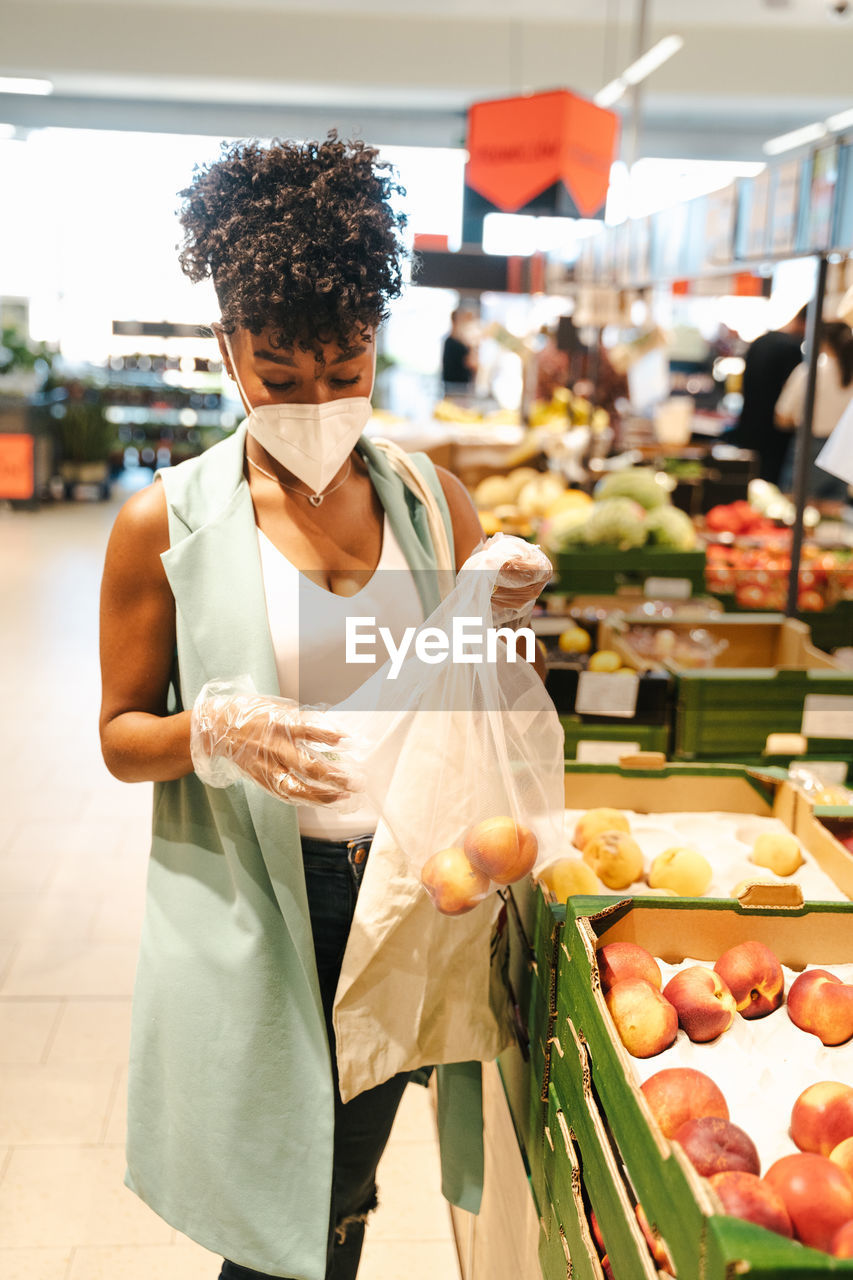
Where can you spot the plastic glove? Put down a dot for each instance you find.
(292, 751)
(524, 571)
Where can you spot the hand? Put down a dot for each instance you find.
(519, 582)
(287, 749)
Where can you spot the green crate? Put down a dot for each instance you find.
(570, 1222)
(553, 1246)
(649, 737)
(677, 1202)
(586, 571)
(723, 712)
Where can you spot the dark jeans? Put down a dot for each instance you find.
(333, 875)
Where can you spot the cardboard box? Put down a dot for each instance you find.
(679, 1204)
(569, 1215)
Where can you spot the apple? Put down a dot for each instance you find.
(657, 1248)
(620, 960)
(453, 884)
(678, 1094)
(822, 1004)
(594, 821)
(703, 1002)
(842, 1155)
(817, 1193)
(713, 1145)
(646, 1022)
(615, 858)
(823, 1117)
(503, 850)
(745, 1195)
(842, 1241)
(754, 976)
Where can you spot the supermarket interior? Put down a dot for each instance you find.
(561, 292)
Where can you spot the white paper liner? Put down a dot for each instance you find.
(761, 1065)
(725, 839)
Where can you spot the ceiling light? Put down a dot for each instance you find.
(843, 120)
(796, 138)
(18, 84)
(639, 70)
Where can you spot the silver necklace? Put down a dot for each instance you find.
(314, 498)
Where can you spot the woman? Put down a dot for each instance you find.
(237, 1131)
(833, 393)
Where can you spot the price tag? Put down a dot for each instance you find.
(668, 588)
(589, 752)
(832, 773)
(602, 694)
(828, 715)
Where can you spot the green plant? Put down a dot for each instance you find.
(83, 431)
(17, 352)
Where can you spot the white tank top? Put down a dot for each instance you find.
(307, 628)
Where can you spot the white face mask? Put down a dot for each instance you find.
(313, 441)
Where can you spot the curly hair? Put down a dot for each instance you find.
(297, 237)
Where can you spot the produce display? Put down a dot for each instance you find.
(806, 1193)
(632, 509)
(689, 855)
(525, 499)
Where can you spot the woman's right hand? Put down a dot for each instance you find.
(292, 751)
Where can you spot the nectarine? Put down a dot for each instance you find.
(817, 1194)
(822, 1004)
(646, 1022)
(453, 884)
(754, 976)
(703, 1002)
(713, 1145)
(822, 1117)
(620, 960)
(503, 850)
(656, 1243)
(842, 1241)
(842, 1155)
(678, 1094)
(744, 1195)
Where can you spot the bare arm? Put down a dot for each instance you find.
(140, 741)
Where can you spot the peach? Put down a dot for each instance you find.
(656, 1244)
(568, 876)
(745, 1195)
(842, 1155)
(646, 1022)
(703, 1002)
(714, 1146)
(817, 1194)
(594, 821)
(596, 1234)
(777, 851)
(615, 858)
(678, 1094)
(453, 884)
(683, 870)
(822, 1117)
(503, 850)
(822, 1004)
(620, 960)
(754, 976)
(842, 1241)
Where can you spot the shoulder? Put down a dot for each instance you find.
(142, 524)
(467, 530)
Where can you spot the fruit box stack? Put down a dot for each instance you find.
(769, 679)
(603, 1130)
(586, 570)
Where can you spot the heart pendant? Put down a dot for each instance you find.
(315, 499)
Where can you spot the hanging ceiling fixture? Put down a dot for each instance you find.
(639, 70)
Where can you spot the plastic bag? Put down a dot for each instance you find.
(465, 764)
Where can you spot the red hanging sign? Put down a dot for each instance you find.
(519, 148)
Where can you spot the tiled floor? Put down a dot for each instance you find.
(72, 867)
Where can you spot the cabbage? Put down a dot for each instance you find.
(617, 522)
(565, 528)
(638, 483)
(669, 527)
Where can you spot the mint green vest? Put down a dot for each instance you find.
(230, 1103)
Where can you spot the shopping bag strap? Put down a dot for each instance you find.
(410, 474)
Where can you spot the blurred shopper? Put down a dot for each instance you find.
(833, 393)
(459, 356)
(237, 1131)
(552, 366)
(769, 362)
